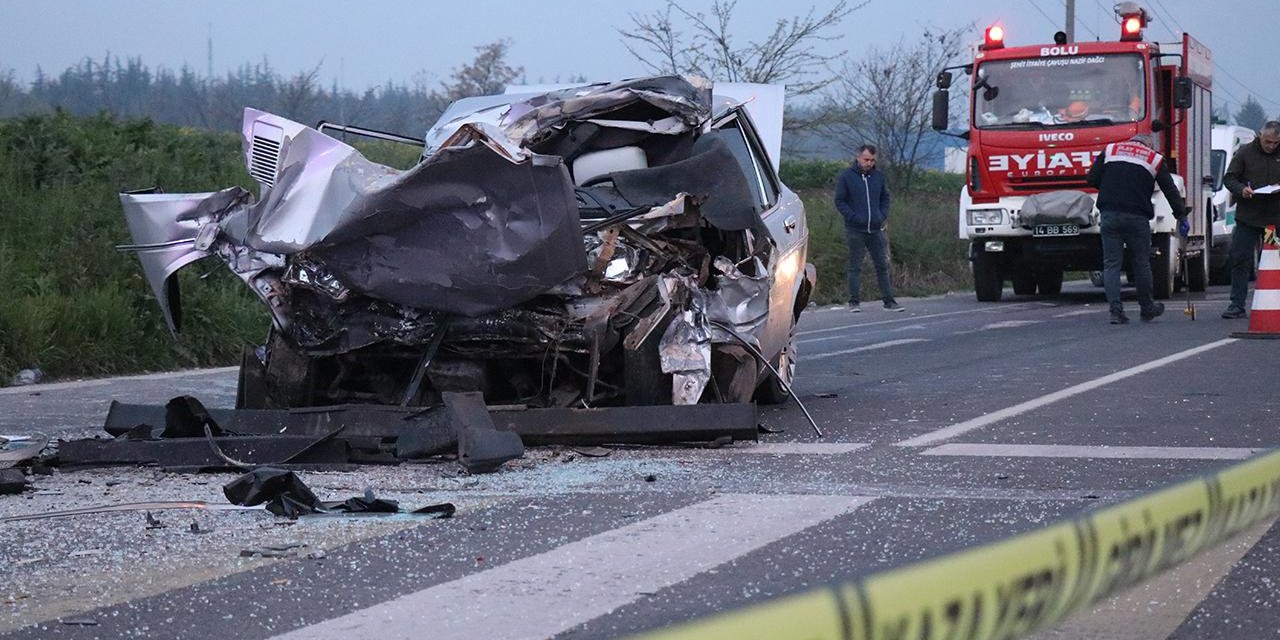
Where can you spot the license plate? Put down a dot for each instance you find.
(1056, 230)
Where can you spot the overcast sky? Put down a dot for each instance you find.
(364, 44)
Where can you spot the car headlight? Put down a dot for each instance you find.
(985, 216)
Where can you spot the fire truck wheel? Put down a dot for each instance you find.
(1049, 282)
(1164, 265)
(987, 283)
(1024, 283)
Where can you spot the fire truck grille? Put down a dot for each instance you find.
(1047, 182)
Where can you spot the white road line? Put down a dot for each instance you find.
(803, 448)
(1093, 452)
(545, 594)
(1018, 409)
(871, 347)
(98, 382)
(911, 318)
(1080, 312)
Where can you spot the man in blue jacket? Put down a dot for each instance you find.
(863, 200)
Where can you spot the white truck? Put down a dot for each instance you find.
(1224, 141)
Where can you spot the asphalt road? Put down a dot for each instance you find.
(953, 424)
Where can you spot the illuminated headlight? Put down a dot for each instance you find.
(993, 246)
(986, 216)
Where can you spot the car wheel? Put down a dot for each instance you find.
(1095, 278)
(771, 391)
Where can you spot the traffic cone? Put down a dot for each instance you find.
(1264, 317)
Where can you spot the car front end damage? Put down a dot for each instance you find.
(598, 246)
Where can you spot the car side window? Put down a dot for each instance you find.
(755, 166)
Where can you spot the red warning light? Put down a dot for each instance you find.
(994, 37)
(1132, 26)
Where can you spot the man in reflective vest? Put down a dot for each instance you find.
(1125, 175)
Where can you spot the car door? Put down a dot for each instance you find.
(783, 215)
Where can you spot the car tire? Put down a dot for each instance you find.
(987, 283)
(771, 391)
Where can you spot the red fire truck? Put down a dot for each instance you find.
(1040, 114)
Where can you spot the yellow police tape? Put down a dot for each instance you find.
(1009, 588)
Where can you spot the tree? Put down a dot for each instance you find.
(885, 99)
(488, 74)
(788, 55)
(1251, 114)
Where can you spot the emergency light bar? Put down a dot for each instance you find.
(1133, 19)
(993, 37)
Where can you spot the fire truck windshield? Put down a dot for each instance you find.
(1059, 91)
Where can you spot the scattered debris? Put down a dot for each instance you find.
(826, 395)
(79, 622)
(15, 450)
(84, 553)
(12, 481)
(132, 506)
(197, 529)
(651, 478)
(153, 522)
(281, 550)
(284, 494)
(591, 452)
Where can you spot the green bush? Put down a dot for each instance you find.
(77, 307)
(925, 254)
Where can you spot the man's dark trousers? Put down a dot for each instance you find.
(861, 242)
(1120, 228)
(1244, 244)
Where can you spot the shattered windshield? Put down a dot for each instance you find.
(1097, 89)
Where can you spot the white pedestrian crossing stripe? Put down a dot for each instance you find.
(548, 593)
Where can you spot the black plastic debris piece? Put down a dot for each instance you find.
(79, 622)
(12, 481)
(481, 447)
(141, 432)
(645, 424)
(282, 491)
(196, 528)
(429, 435)
(368, 503)
(484, 450)
(591, 452)
(438, 511)
(196, 453)
(153, 522)
(764, 428)
(186, 417)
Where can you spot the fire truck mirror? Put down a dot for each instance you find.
(1157, 126)
(1182, 92)
(941, 119)
(944, 80)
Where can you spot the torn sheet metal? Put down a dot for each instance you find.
(510, 253)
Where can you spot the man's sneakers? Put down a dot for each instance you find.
(1234, 312)
(1154, 312)
(888, 306)
(1118, 317)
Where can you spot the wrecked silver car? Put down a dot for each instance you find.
(613, 244)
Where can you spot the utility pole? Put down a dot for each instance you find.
(1071, 21)
(209, 63)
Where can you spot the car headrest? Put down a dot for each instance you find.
(599, 163)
